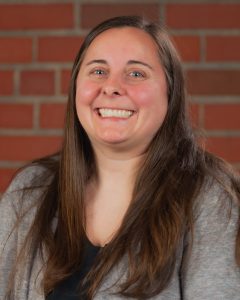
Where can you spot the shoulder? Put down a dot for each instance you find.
(216, 216)
(216, 195)
(210, 270)
(220, 188)
(17, 212)
(19, 204)
(26, 177)
(26, 187)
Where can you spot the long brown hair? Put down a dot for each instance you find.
(166, 186)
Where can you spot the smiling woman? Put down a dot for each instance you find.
(131, 207)
(121, 94)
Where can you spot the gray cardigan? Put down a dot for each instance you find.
(209, 273)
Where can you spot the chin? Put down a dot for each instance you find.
(111, 137)
(113, 141)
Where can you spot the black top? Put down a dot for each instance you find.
(68, 289)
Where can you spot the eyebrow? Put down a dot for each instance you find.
(97, 61)
(130, 62)
(134, 62)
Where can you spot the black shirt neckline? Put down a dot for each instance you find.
(68, 289)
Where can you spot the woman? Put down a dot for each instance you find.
(131, 207)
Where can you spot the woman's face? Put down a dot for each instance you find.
(121, 95)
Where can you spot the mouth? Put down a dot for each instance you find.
(114, 113)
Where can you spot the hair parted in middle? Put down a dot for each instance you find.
(167, 171)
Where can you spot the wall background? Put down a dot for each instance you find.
(38, 42)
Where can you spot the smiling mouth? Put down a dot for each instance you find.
(114, 113)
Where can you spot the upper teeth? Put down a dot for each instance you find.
(122, 113)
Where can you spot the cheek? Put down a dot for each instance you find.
(149, 96)
(142, 96)
(86, 92)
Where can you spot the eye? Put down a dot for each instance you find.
(137, 74)
(98, 72)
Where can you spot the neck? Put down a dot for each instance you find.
(109, 195)
(117, 167)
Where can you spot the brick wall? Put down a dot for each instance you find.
(38, 42)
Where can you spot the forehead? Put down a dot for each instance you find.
(123, 41)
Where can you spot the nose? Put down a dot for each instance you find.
(113, 88)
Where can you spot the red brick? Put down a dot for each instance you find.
(13, 50)
(6, 176)
(225, 147)
(6, 82)
(36, 16)
(223, 48)
(222, 116)
(203, 15)
(24, 148)
(194, 114)
(58, 48)
(52, 115)
(37, 83)
(188, 46)
(16, 115)
(214, 82)
(92, 14)
(65, 81)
